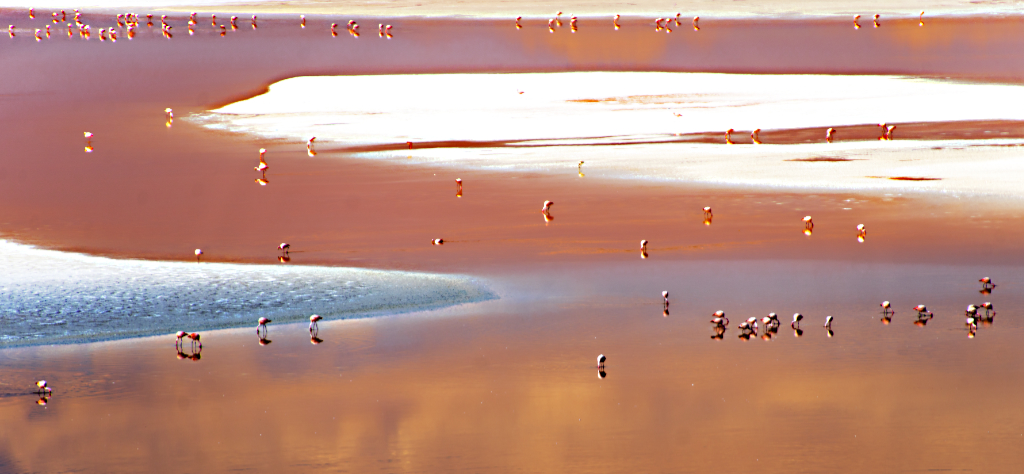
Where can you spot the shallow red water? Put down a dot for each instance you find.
(505, 385)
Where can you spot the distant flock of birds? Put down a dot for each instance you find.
(130, 23)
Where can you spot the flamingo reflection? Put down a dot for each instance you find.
(315, 340)
(601, 374)
(264, 341)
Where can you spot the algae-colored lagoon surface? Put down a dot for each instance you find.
(479, 354)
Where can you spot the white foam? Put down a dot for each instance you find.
(48, 296)
(593, 108)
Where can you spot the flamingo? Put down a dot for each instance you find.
(888, 132)
(643, 246)
(38, 38)
(922, 310)
(42, 388)
(458, 187)
(313, 320)
(572, 24)
(986, 283)
(302, 23)
(754, 136)
(615, 22)
(664, 294)
(707, 212)
(828, 322)
(437, 241)
(558, 19)
(971, 311)
(877, 24)
(579, 168)
(32, 13)
(195, 340)
(728, 136)
(309, 147)
(192, 18)
(695, 20)
(856, 25)
(518, 26)
(886, 308)
(551, 25)
(885, 131)
(179, 338)
(387, 32)
(921, 20)
(797, 317)
(254, 22)
(808, 223)
(988, 308)
(284, 247)
(334, 32)
(262, 324)
(380, 30)
(262, 167)
(676, 19)
(199, 254)
(547, 206)
(170, 115)
(600, 361)
(657, 24)
(829, 134)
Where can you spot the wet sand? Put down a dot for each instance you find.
(506, 384)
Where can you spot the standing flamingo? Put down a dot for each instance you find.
(199, 254)
(829, 134)
(728, 136)
(313, 320)
(262, 167)
(856, 25)
(615, 22)
(754, 136)
(262, 324)
(695, 20)
(518, 26)
(195, 340)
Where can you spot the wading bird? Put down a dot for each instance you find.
(886, 308)
(518, 26)
(828, 321)
(877, 24)
(643, 249)
(987, 283)
(196, 342)
(830, 134)
(262, 325)
(284, 247)
(42, 388)
(921, 20)
(313, 320)
(856, 25)
(199, 254)
(309, 147)
(988, 308)
(754, 136)
(600, 361)
(808, 223)
(302, 22)
(615, 23)
(664, 295)
(728, 136)
(437, 241)
(922, 310)
(180, 338)
(458, 187)
(797, 317)
(262, 167)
